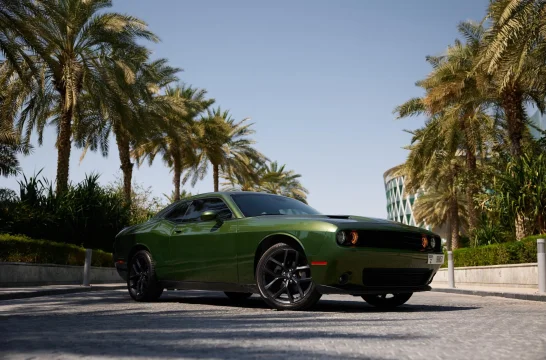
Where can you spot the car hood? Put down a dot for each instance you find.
(352, 222)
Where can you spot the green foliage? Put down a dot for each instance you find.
(86, 214)
(520, 190)
(143, 204)
(488, 233)
(513, 252)
(20, 248)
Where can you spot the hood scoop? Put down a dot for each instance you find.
(344, 217)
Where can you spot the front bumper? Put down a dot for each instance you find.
(122, 270)
(355, 271)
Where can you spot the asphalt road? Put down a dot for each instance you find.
(206, 325)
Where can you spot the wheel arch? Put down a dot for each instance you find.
(135, 249)
(273, 239)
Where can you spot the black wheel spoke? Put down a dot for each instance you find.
(133, 277)
(135, 269)
(276, 262)
(285, 257)
(139, 265)
(300, 289)
(278, 293)
(305, 279)
(290, 297)
(302, 267)
(271, 272)
(297, 258)
(272, 282)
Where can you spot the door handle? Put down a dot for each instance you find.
(177, 231)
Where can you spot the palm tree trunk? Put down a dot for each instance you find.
(454, 222)
(216, 176)
(521, 227)
(449, 242)
(471, 169)
(512, 104)
(471, 191)
(177, 169)
(64, 143)
(126, 165)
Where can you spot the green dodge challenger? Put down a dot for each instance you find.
(246, 242)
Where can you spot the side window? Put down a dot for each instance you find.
(177, 214)
(199, 206)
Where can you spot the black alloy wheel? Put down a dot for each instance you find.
(387, 301)
(142, 281)
(284, 280)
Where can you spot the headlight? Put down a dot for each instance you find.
(432, 242)
(341, 237)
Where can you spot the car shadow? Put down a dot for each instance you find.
(341, 306)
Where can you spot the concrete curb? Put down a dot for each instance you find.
(49, 292)
(509, 295)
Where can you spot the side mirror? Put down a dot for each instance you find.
(208, 215)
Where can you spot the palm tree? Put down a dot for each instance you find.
(10, 141)
(267, 177)
(433, 167)
(453, 89)
(10, 147)
(513, 58)
(178, 147)
(64, 44)
(225, 143)
(277, 180)
(133, 110)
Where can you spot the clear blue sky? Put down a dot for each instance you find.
(319, 79)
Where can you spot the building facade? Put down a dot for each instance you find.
(399, 202)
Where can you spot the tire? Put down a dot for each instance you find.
(283, 270)
(382, 301)
(237, 296)
(142, 282)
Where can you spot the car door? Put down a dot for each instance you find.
(204, 251)
(169, 222)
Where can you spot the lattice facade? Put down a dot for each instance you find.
(399, 203)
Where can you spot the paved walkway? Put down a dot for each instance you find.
(196, 325)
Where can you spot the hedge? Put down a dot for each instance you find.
(20, 248)
(513, 252)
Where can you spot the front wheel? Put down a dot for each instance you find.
(142, 281)
(284, 279)
(387, 301)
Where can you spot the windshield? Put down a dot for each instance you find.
(253, 204)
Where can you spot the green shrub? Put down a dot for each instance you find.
(19, 248)
(514, 252)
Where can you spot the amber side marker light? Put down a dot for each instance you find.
(319, 263)
(354, 237)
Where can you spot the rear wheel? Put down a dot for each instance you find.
(142, 281)
(284, 279)
(387, 301)
(237, 296)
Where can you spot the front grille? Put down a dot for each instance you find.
(396, 240)
(395, 277)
